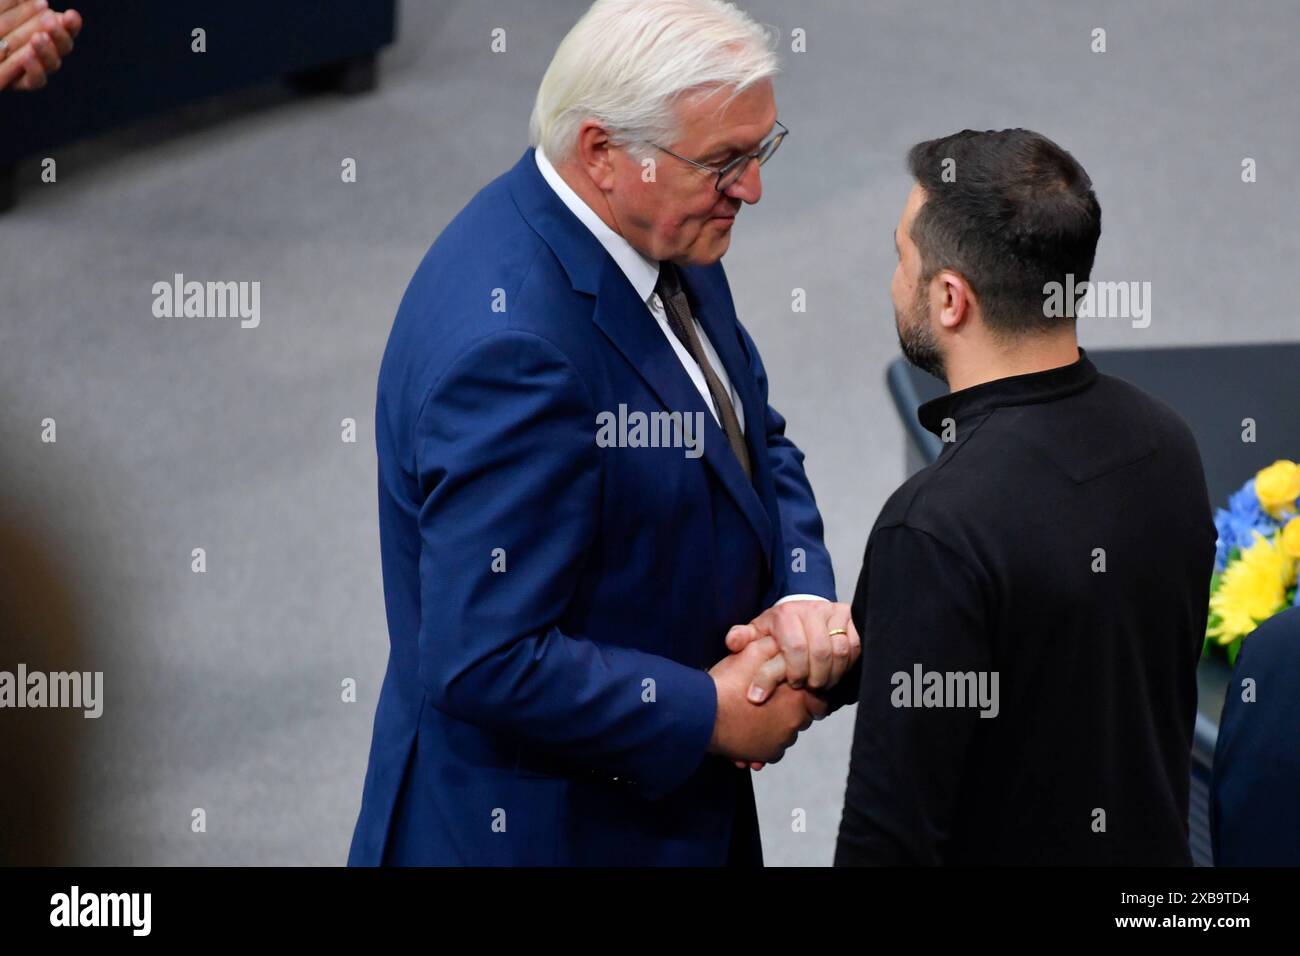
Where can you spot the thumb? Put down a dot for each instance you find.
(740, 636)
(817, 704)
(72, 22)
(763, 649)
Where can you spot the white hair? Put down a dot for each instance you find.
(626, 62)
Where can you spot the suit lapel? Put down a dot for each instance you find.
(626, 322)
(712, 306)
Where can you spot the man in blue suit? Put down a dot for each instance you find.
(1255, 792)
(582, 485)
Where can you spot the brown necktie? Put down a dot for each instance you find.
(680, 320)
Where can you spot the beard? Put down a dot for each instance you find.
(916, 337)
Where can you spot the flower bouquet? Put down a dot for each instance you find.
(1257, 558)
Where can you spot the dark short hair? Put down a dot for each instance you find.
(1019, 213)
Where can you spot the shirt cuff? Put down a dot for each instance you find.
(801, 597)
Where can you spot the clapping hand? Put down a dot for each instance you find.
(33, 42)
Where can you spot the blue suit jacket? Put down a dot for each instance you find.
(1255, 791)
(553, 605)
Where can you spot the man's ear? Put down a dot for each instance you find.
(595, 154)
(956, 299)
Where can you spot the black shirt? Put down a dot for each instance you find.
(1046, 581)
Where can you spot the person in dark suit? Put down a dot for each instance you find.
(1255, 789)
(582, 484)
(1033, 603)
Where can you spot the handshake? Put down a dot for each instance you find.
(772, 685)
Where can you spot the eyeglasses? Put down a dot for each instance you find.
(730, 173)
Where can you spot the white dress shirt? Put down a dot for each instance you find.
(643, 273)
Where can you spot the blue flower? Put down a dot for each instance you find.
(1223, 525)
(1236, 525)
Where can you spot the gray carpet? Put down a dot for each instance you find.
(223, 688)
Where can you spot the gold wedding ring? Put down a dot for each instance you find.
(838, 630)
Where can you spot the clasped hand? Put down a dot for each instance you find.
(36, 39)
(772, 685)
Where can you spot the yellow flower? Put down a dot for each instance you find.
(1252, 589)
(1290, 538)
(1278, 486)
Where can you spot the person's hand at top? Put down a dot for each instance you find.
(33, 42)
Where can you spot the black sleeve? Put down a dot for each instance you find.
(846, 691)
(917, 603)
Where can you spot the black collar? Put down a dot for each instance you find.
(1027, 389)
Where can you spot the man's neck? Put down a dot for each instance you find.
(1037, 354)
(587, 191)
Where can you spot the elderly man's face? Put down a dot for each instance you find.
(680, 215)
